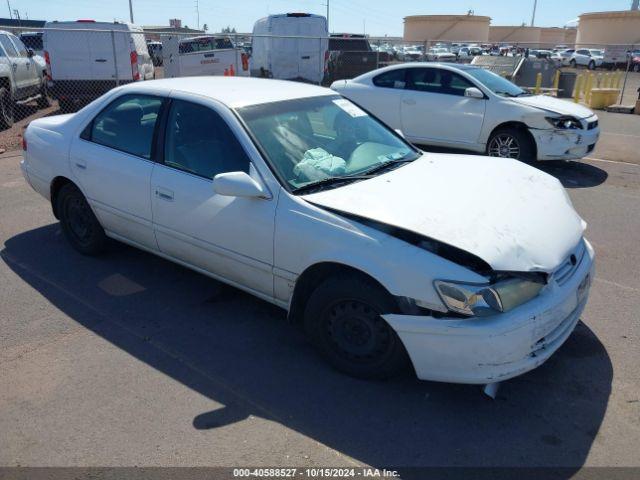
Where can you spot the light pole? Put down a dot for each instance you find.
(130, 11)
(533, 17)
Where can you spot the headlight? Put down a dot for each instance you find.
(482, 300)
(565, 123)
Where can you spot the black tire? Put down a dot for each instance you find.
(79, 225)
(572, 63)
(636, 67)
(66, 106)
(343, 321)
(43, 100)
(511, 143)
(7, 109)
(592, 65)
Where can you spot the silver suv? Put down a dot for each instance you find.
(22, 78)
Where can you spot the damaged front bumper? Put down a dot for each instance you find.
(493, 349)
(556, 144)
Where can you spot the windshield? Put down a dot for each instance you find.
(496, 83)
(314, 139)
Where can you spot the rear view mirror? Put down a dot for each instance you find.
(473, 92)
(238, 184)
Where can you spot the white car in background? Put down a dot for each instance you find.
(467, 107)
(591, 58)
(476, 268)
(441, 55)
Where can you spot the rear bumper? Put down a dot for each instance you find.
(564, 144)
(493, 349)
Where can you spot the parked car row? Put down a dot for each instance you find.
(473, 269)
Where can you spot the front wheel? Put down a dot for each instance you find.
(572, 63)
(43, 100)
(511, 143)
(343, 319)
(79, 224)
(592, 65)
(6, 108)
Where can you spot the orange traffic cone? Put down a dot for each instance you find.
(232, 71)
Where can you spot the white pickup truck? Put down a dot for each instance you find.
(204, 55)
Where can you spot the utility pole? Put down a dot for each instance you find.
(533, 17)
(197, 15)
(11, 15)
(131, 11)
(635, 4)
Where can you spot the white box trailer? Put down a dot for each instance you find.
(203, 55)
(86, 58)
(279, 52)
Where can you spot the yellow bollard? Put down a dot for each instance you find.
(619, 78)
(538, 83)
(607, 81)
(577, 89)
(588, 87)
(556, 81)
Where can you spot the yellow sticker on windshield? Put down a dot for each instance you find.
(350, 108)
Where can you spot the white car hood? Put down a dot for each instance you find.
(556, 105)
(511, 215)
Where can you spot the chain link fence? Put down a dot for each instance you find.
(58, 70)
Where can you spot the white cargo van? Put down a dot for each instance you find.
(203, 55)
(277, 53)
(86, 58)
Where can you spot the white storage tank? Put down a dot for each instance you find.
(451, 28)
(619, 28)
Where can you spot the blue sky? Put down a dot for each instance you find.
(378, 17)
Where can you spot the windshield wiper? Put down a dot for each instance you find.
(330, 181)
(384, 165)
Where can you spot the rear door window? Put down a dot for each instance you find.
(127, 124)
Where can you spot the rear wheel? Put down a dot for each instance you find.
(592, 65)
(511, 143)
(343, 320)
(79, 225)
(6, 108)
(572, 63)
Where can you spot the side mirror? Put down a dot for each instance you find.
(238, 184)
(29, 53)
(473, 92)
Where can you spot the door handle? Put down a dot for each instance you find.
(81, 164)
(409, 101)
(164, 194)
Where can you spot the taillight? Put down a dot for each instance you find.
(24, 144)
(134, 66)
(47, 61)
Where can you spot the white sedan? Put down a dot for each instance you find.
(467, 107)
(475, 270)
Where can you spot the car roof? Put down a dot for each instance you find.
(234, 92)
(446, 65)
